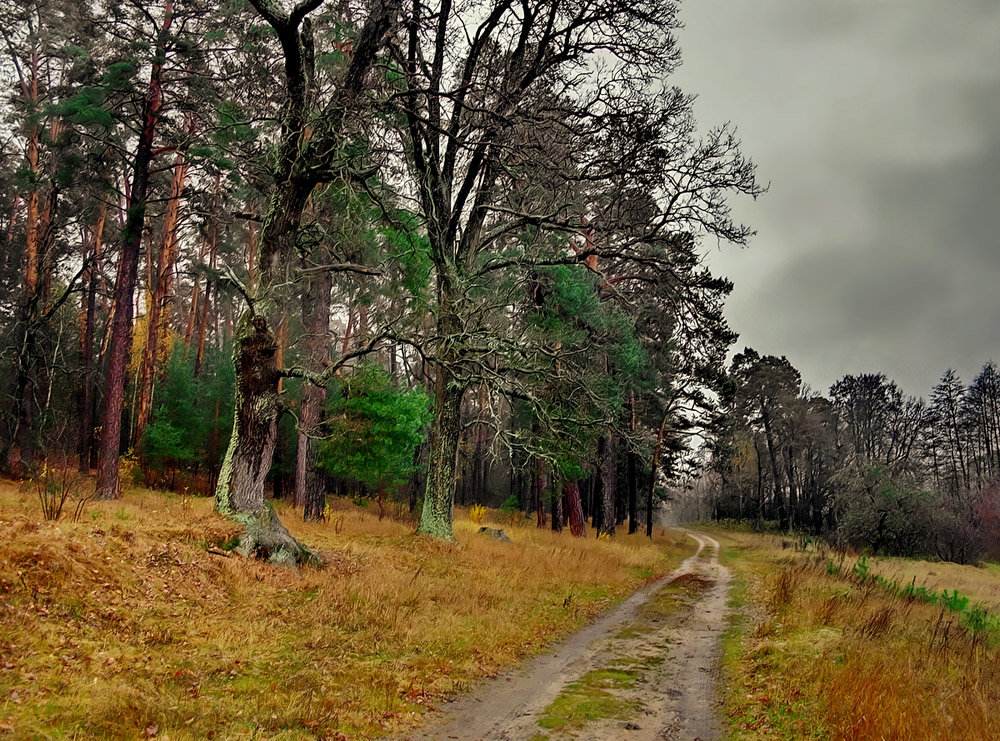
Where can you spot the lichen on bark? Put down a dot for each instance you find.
(241, 493)
(439, 497)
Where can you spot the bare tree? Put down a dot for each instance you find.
(514, 119)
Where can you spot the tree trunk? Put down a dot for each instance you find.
(538, 492)
(633, 500)
(793, 495)
(574, 510)
(436, 518)
(631, 484)
(302, 153)
(120, 332)
(779, 499)
(557, 509)
(309, 491)
(596, 501)
(240, 492)
(20, 453)
(203, 330)
(207, 248)
(480, 471)
(31, 374)
(608, 463)
(88, 311)
(159, 309)
(657, 448)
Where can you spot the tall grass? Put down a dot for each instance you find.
(136, 622)
(848, 654)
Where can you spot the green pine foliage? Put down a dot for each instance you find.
(176, 431)
(191, 419)
(590, 360)
(373, 430)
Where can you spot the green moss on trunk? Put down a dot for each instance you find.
(240, 493)
(439, 498)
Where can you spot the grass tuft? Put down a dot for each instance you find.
(592, 697)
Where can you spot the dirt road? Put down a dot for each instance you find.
(643, 671)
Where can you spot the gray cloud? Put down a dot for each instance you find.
(878, 124)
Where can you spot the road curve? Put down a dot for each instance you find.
(678, 699)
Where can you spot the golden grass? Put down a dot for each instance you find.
(980, 583)
(824, 656)
(125, 624)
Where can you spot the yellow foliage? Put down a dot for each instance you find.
(129, 471)
(477, 513)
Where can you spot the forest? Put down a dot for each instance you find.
(365, 376)
(418, 255)
(399, 254)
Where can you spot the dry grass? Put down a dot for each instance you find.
(980, 583)
(825, 656)
(126, 625)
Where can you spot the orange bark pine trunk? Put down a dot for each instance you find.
(159, 306)
(120, 329)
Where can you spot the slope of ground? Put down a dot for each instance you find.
(135, 622)
(821, 648)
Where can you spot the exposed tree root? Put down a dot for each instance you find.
(265, 538)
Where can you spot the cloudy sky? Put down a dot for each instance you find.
(877, 125)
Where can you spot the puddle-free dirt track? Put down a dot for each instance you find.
(664, 640)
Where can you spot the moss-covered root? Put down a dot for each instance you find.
(267, 539)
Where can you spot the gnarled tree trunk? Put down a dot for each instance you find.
(306, 154)
(240, 492)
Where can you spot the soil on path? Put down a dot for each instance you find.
(644, 671)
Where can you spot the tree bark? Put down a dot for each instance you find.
(779, 499)
(657, 448)
(241, 489)
(206, 305)
(633, 503)
(574, 510)
(309, 491)
(159, 308)
(88, 311)
(608, 462)
(120, 343)
(538, 492)
(31, 375)
(439, 497)
(557, 505)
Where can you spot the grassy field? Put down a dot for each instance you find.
(135, 622)
(820, 648)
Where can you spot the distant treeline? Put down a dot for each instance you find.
(867, 466)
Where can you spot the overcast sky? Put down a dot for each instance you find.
(877, 125)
